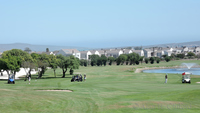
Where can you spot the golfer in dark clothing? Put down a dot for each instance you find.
(166, 78)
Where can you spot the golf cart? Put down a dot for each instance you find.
(77, 78)
(11, 80)
(186, 77)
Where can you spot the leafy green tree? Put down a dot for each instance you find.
(99, 61)
(28, 50)
(146, 60)
(93, 59)
(53, 63)
(137, 62)
(141, 58)
(167, 58)
(158, 60)
(111, 60)
(121, 59)
(104, 60)
(190, 54)
(73, 64)
(127, 59)
(164, 56)
(152, 59)
(42, 62)
(173, 56)
(14, 59)
(3, 65)
(28, 66)
(134, 57)
(182, 55)
(63, 63)
(83, 62)
(35, 55)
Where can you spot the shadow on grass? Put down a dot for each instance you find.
(45, 76)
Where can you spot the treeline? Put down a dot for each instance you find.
(12, 60)
(128, 59)
(133, 59)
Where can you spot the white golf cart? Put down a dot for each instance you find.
(186, 77)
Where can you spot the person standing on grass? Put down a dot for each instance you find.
(29, 79)
(166, 78)
(84, 77)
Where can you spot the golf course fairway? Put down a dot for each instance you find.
(107, 89)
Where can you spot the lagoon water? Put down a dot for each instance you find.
(194, 71)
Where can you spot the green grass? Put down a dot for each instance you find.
(107, 89)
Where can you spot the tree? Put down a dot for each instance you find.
(167, 58)
(42, 63)
(134, 57)
(158, 60)
(138, 48)
(121, 59)
(53, 63)
(146, 60)
(73, 64)
(93, 59)
(47, 49)
(13, 60)
(104, 59)
(3, 65)
(137, 62)
(191, 55)
(111, 60)
(28, 50)
(164, 56)
(63, 63)
(28, 66)
(34, 55)
(181, 55)
(141, 59)
(99, 61)
(173, 56)
(83, 62)
(128, 59)
(152, 59)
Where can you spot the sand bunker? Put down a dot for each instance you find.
(63, 90)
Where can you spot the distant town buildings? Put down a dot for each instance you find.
(116, 52)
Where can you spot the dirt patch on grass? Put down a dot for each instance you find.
(6, 90)
(195, 76)
(62, 90)
(148, 105)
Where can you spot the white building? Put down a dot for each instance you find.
(95, 52)
(85, 54)
(114, 53)
(69, 52)
(147, 53)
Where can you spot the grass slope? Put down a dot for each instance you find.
(107, 89)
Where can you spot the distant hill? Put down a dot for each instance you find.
(22, 46)
(188, 44)
(37, 48)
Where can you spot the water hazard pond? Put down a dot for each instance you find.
(194, 71)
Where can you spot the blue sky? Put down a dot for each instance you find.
(99, 23)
